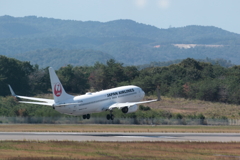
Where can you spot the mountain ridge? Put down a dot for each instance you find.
(127, 41)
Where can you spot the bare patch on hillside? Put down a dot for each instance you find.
(187, 46)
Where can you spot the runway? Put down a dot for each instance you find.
(121, 137)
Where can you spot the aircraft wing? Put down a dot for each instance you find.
(39, 103)
(43, 101)
(128, 104)
(47, 102)
(36, 99)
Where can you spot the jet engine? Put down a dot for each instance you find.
(131, 109)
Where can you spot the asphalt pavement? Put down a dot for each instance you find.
(123, 137)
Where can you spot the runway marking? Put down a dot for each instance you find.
(131, 137)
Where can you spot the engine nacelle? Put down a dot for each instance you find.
(131, 109)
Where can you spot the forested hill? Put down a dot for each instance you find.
(59, 57)
(33, 26)
(126, 41)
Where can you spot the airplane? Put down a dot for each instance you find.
(125, 98)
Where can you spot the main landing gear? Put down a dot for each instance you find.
(86, 116)
(110, 116)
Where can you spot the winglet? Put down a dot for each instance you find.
(11, 90)
(158, 93)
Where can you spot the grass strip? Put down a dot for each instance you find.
(69, 150)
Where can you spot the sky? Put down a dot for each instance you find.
(223, 14)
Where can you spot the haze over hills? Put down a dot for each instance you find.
(54, 42)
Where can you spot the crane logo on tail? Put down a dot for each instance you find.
(58, 89)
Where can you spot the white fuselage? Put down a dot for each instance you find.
(100, 101)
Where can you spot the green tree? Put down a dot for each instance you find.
(16, 74)
(73, 79)
(39, 81)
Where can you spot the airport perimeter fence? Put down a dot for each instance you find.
(103, 120)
